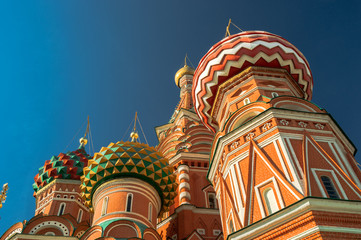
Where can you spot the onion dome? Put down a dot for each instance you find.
(130, 159)
(238, 52)
(186, 70)
(64, 166)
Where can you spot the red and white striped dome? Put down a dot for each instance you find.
(236, 53)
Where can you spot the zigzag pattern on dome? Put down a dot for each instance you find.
(63, 166)
(130, 159)
(237, 52)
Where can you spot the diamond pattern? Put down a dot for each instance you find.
(130, 158)
(63, 166)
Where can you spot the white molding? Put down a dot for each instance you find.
(183, 167)
(335, 169)
(326, 229)
(184, 185)
(278, 177)
(259, 195)
(324, 194)
(128, 185)
(183, 176)
(298, 209)
(186, 195)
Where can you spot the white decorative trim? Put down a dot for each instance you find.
(300, 208)
(183, 167)
(184, 185)
(320, 185)
(46, 224)
(183, 176)
(129, 185)
(184, 195)
(335, 169)
(18, 230)
(326, 229)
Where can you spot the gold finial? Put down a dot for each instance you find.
(186, 70)
(134, 135)
(227, 28)
(83, 141)
(3, 194)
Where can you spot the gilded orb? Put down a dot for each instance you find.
(186, 70)
(83, 141)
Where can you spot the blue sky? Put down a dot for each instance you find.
(63, 60)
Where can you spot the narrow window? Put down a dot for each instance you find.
(231, 228)
(246, 101)
(129, 202)
(80, 215)
(105, 206)
(61, 209)
(274, 94)
(212, 201)
(330, 188)
(271, 201)
(150, 209)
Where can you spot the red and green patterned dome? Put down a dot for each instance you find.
(64, 166)
(237, 52)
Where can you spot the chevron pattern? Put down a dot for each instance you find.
(130, 159)
(237, 52)
(64, 166)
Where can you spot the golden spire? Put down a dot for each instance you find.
(83, 141)
(3, 194)
(134, 135)
(227, 29)
(228, 33)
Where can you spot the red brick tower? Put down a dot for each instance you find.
(60, 210)
(187, 143)
(128, 185)
(281, 166)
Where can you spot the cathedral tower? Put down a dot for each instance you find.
(187, 143)
(281, 166)
(128, 185)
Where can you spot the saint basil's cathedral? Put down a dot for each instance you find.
(245, 155)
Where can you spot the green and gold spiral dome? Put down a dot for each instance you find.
(130, 159)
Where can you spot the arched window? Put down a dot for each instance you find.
(212, 201)
(330, 188)
(129, 202)
(150, 209)
(274, 94)
(270, 200)
(231, 227)
(105, 206)
(61, 209)
(80, 215)
(246, 101)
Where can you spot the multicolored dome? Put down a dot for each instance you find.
(64, 166)
(236, 53)
(130, 159)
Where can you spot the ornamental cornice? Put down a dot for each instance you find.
(301, 209)
(284, 119)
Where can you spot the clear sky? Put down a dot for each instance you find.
(63, 60)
